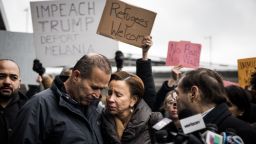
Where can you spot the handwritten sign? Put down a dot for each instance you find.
(183, 53)
(66, 30)
(246, 67)
(125, 22)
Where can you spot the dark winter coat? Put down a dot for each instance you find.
(161, 95)
(138, 129)
(52, 117)
(144, 71)
(223, 119)
(8, 116)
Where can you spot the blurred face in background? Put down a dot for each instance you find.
(170, 105)
(9, 79)
(235, 110)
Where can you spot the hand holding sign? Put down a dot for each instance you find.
(175, 76)
(183, 53)
(176, 73)
(146, 44)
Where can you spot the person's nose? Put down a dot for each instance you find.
(97, 93)
(7, 80)
(111, 98)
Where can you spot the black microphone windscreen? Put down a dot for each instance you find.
(161, 136)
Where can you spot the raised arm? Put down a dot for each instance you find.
(144, 71)
(167, 86)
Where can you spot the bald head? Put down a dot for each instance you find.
(9, 79)
(10, 61)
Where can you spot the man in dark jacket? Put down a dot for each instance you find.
(66, 113)
(202, 91)
(11, 99)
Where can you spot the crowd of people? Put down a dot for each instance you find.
(90, 104)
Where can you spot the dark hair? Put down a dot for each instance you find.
(209, 82)
(239, 97)
(135, 84)
(86, 64)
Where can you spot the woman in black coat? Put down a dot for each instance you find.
(127, 118)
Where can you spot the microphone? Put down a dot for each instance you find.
(162, 123)
(210, 135)
(164, 135)
(192, 123)
(185, 113)
(230, 137)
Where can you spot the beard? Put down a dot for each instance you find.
(7, 97)
(185, 110)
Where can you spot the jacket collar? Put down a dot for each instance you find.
(64, 98)
(218, 114)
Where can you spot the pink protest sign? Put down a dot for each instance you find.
(183, 53)
(229, 83)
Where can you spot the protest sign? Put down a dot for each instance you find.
(183, 53)
(125, 22)
(229, 83)
(245, 68)
(65, 30)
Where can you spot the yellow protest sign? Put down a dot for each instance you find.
(245, 68)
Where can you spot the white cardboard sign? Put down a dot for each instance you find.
(65, 30)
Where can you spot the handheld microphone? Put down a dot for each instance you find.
(230, 137)
(163, 135)
(210, 135)
(166, 135)
(162, 123)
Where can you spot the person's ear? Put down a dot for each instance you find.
(134, 100)
(194, 93)
(76, 74)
